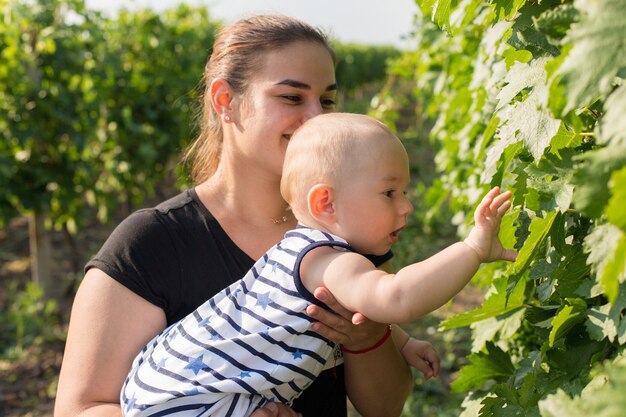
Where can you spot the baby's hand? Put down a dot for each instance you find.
(421, 355)
(483, 237)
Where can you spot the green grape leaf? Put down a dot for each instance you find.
(526, 36)
(438, 10)
(564, 139)
(506, 9)
(598, 51)
(602, 397)
(591, 178)
(570, 274)
(608, 321)
(555, 22)
(520, 77)
(505, 326)
(572, 313)
(512, 55)
(549, 185)
(616, 208)
(498, 302)
(539, 229)
(612, 126)
(498, 155)
(508, 227)
(555, 195)
(606, 246)
(484, 366)
(529, 120)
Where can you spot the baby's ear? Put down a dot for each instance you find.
(321, 200)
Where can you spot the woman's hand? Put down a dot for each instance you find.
(275, 410)
(338, 325)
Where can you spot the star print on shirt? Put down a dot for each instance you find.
(196, 365)
(131, 403)
(297, 354)
(244, 374)
(161, 363)
(190, 392)
(263, 300)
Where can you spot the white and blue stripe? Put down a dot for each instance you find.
(248, 345)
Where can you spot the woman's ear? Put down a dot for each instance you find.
(221, 96)
(321, 201)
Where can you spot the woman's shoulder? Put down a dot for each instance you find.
(177, 210)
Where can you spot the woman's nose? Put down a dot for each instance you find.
(312, 110)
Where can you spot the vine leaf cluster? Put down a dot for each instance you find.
(530, 96)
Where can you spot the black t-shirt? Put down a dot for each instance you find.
(177, 256)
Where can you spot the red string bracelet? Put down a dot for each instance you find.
(374, 346)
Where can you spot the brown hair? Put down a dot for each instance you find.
(237, 54)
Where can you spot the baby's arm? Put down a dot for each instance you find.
(416, 289)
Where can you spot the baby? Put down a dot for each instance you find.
(345, 178)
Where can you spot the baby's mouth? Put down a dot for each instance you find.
(395, 233)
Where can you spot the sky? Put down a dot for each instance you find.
(371, 22)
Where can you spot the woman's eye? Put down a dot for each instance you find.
(328, 103)
(293, 99)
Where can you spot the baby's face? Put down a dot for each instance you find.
(371, 200)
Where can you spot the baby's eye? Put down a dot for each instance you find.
(389, 193)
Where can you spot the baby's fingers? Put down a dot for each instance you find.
(486, 203)
(503, 208)
(500, 200)
(509, 255)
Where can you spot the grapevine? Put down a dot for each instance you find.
(530, 96)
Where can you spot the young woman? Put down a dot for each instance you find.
(265, 77)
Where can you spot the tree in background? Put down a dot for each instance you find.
(95, 109)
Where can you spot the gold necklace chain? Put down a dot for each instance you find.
(280, 221)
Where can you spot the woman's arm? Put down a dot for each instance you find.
(377, 382)
(109, 325)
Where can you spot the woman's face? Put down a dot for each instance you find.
(294, 84)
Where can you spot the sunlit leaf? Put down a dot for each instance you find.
(612, 126)
(598, 51)
(607, 321)
(529, 120)
(606, 246)
(539, 230)
(602, 397)
(616, 209)
(500, 301)
(591, 178)
(564, 139)
(572, 313)
(506, 9)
